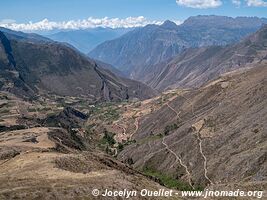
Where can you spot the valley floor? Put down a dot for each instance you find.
(213, 137)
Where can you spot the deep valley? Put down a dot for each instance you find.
(180, 111)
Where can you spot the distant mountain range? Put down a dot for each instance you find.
(86, 40)
(30, 64)
(194, 67)
(76, 124)
(153, 44)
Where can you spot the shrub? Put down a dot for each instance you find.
(120, 147)
(170, 128)
(167, 180)
(108, 138)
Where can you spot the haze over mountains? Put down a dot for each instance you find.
(87, 39)
(154, 44)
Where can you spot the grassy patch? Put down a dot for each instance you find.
(108, 138)
(4, 111)
(105, 112)
(150, 138)
(211, 124)
(170, 128)
(167, 180)
(107, 142)
(120, 147)
(111, 114)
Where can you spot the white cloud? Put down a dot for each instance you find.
(78, 24)
(237, 2)
(204, 4)
(201, 4)
(7, 21)
(256, 3)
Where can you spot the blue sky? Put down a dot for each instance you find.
(23, 11)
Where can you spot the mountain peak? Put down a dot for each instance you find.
(169, 24)
(224, 21)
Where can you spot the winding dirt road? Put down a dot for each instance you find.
(136, 124)
(204, 157)
(121, 127)
(180, 161)
(177, 113)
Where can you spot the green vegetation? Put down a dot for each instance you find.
(4, 105)
(89, 129)
(130, 161)
(4, 111)
(150, 138)
(107, 143)
(4, 97)
(120, 147)
(170, 128)
(210, 123)
(111, 114)
(108, 150)
(108, 138)
(161, 101)
(160, 135)
(167, 180)
(32, 110)
(105, 112)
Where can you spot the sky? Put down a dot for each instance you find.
(34, 15)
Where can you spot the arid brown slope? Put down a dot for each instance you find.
(152, 44)
(212, 135)
(195, 67)
(42, 160)
(28, 67)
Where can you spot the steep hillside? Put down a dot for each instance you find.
(197, 66)
(214, 135)
(45, 154)
(27, 65)
(18, 35)
(153, 44)
(211, 137)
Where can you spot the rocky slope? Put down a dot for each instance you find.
(29, 66)
(214, 135)
(50, 156)
(197, 66)
(153, 44)
(210, 137)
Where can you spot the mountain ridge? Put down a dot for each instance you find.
(196, 66)
(205, 132)
(57, 68)
(153, 44)
(87, 39)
